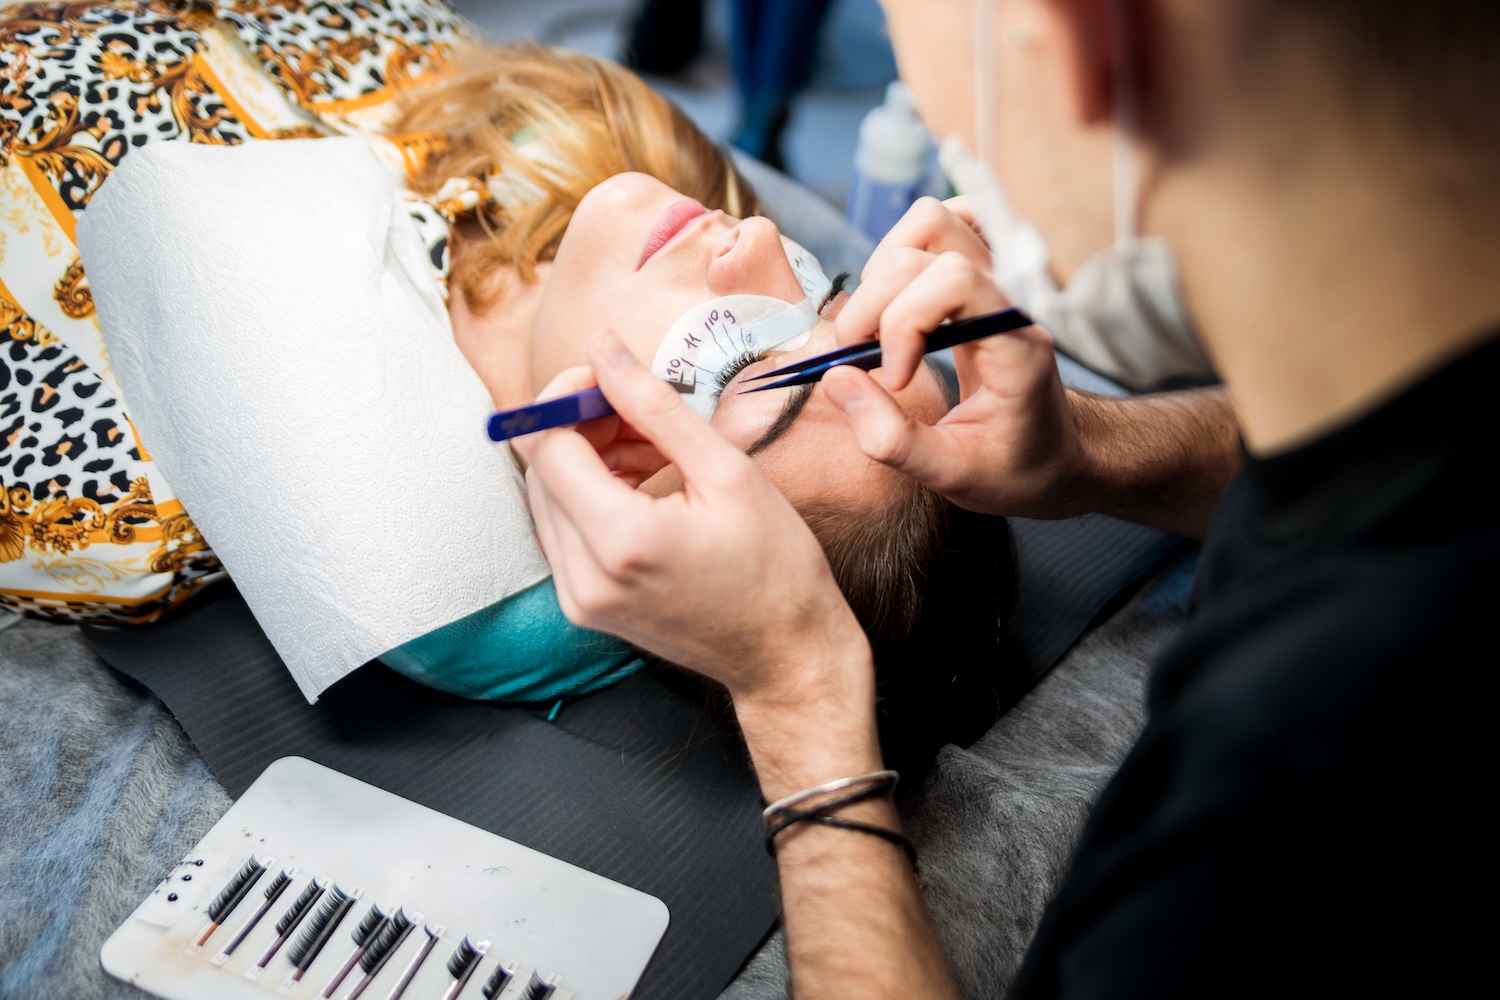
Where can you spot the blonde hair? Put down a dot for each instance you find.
(538, 128)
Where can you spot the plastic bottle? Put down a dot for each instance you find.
(890, 163)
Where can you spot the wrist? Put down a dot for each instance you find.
(817, 727)
(1081, 470)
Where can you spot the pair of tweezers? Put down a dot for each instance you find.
(590, 404)
(867, 355)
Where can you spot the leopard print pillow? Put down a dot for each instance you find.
(89, 529)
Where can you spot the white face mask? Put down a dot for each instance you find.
(1122, 313)
(708, 341)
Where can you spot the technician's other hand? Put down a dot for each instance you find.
(628, 456)
(723, 577)
(1011, 446)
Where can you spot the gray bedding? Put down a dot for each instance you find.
(100, 791)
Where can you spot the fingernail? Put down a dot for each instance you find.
(614, 350)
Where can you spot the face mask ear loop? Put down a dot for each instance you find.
(1126, 161)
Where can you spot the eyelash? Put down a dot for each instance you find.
(839, 281)
(749, 358)
(736, 366)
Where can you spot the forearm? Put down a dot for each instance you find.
(856, 925)
(1162, 460)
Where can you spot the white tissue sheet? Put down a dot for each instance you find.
(289, 364)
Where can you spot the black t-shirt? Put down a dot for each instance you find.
(1303, 813)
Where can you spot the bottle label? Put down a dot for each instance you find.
(876, 206)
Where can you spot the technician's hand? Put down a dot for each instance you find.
(722, 576)
(629, 457)
(1011, 446)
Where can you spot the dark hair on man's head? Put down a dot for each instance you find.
(933, 585)
(1429, 66)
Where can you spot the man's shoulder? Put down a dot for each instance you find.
(1316, 635)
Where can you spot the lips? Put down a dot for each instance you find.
(669, 224)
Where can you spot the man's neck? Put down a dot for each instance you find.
(1329, 288)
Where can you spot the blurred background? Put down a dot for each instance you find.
(788, 81)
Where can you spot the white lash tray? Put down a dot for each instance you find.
(541, 929)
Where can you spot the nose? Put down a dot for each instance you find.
(754, 262)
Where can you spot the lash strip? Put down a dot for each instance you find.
(363, 932)
(538, 989)
(465, 957)
(498, 981)
(273, 892)
(320, 927)
(299, 907)
(278, 885)
(385, 942)
(433, 932)
(369, 924)
(237, 888)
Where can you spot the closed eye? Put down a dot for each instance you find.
(739, 364)
(834, 290)
(748, 358)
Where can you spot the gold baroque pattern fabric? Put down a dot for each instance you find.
(89, 529)
(333, 58)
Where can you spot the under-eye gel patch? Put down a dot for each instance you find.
(711, 337)
(815, 284)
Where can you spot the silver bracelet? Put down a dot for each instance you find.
(837, 785)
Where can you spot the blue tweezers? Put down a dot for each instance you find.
(590, 404)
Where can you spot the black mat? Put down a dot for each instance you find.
(634, 783)
(1070, 571)
(637, 782)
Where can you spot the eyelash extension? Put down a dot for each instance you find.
(739, 364)
(462, 965)
(839, 281)
(320, 926)
(273, 892)
(289, 921)
(364, 932)
(749, 358)
(231, 895)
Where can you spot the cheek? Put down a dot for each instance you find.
(564, 324)
(935, 53)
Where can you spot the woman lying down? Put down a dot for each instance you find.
(578, 198)
(676, 238)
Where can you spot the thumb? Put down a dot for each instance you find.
(658, 414)
(886, 432)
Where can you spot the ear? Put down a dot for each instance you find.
(1085, 34)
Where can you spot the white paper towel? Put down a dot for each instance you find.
(288, 363)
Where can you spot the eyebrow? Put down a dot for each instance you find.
(795, 404)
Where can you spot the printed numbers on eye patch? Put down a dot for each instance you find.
(710, 342)
(727, 334)
(682, 374)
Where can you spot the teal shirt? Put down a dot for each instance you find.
(518, 649)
